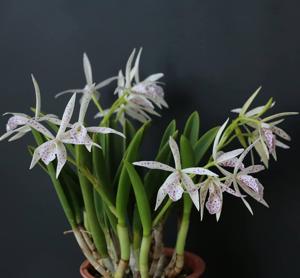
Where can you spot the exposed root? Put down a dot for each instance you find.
(88, 253)
(176, 267)
(160, 267)
(157, 249)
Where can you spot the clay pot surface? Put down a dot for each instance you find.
(192, 262)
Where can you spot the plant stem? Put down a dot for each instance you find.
(113, 108)
(184, 226)
(125, 249)
(144, 255)
(88, 198)
(176, 267)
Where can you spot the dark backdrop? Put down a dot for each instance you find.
(214, 54)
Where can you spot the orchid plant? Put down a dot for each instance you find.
(116, 208)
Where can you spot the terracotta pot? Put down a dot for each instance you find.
(192, 262)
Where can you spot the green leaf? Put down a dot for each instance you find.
(192, 126)
(129, 132)
(124, 181)
(186, 152)
(141, 198)
(169, 131)
(83, 158)
(204, 143)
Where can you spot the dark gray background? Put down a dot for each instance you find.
(214, 54)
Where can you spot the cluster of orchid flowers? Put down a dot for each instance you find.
(138, 100)
(263, 138)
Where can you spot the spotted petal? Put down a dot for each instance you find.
(199, 171)
(14, 121)
(203, 195)
(191, 188)
(214, 201)
(281, 133)
(154, 165)
(46, 152)
(104, 130)
(253, 169)
(229, 155)
(175, 151)
(61, 154)
(171, 184)
(40, 128)
(67, 115)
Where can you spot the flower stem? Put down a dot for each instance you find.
(113, 108)
(161, 213)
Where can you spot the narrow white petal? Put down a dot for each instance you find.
(236, 188)
(40, 128)
(136, 68)
(37, 96)
(203, 195)
(105, 82)
(9, 133)
(71, 91)
(104, 130)
(128, 69)
(281, 133)
(35, 158)
(236, 110)
(154, 165)
(199, 171)
(87, 69)
(22, 131)
(67, 115)
(61, 154)
(278, 144)
(175, 151)
(279, 115)
(229, 155)
(242, 157)
(253, 169)
(154, 77)
(161, 195)
(217, 139)
(192, 189)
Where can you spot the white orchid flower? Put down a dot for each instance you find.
(78, 134)
(90, 89)
(241, 178)
(55, 147)
(140, 96)
(215, 188)
(20, 124)
(265, 132)
(179, 180)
